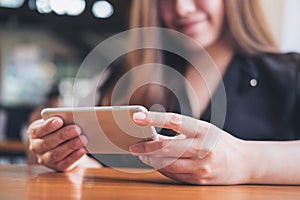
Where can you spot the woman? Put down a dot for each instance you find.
(253, 146)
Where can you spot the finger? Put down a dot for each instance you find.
(187, 178)
(177, 177)
(42, 128)
(62, 151)
(54, 139)
(186, 166)
(189, 127)
(184, 148)
(171, 164)
(181, 166)
(180, 123)
(69, 162)
(158, 162)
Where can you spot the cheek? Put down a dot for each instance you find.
(217, 13)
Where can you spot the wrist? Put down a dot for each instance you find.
(250, 159)
(243, 168)
(248, 167)
(258, 162)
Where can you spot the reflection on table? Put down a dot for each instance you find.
(37, 182)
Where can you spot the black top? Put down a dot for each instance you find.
(263, 97)
(263, 102)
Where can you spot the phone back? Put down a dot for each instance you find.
(110, 130)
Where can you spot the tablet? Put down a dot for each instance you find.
(109, 129)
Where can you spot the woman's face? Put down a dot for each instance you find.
(202, 20)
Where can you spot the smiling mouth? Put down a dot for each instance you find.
(185, 26)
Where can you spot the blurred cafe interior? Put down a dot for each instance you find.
(44, 42)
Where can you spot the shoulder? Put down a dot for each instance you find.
(280, 61)
(279, 73)
(289, 58)
(272, 66)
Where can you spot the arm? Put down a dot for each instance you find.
(208, 155)
(273, 162)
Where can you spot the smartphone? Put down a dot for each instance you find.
(109, 129)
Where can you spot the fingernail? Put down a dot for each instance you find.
(77, 130)
(139, 116)
(133, 149)
(55, 121)
(83, 140)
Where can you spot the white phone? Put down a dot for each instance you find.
(109, 129)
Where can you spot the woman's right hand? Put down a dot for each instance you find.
(56, 146)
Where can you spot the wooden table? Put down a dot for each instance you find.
(37, 182)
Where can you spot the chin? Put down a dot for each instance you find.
(201, 40)
(199, 44)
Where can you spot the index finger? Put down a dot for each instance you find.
(188, 126)
(41, 128)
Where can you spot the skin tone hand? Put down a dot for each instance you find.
(207, 155)
(56, 146)
(203, 154)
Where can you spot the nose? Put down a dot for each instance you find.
(184, 7)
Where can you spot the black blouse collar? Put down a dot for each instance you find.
(240, 76)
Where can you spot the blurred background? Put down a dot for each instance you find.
(43, 43)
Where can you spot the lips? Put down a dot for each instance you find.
(184, 25)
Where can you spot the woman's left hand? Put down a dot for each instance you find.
(203, 154)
